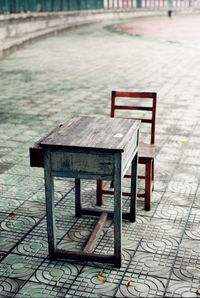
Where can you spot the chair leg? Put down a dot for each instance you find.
(153, 175)
(148, 179)
(99, 195)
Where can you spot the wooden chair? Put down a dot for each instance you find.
(146, 149)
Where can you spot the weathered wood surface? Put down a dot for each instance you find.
(66, 160)
(90, 246)
(93, 132)
(106, 134)
(76, 255)
(146, 150)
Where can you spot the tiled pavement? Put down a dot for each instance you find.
(72, 74)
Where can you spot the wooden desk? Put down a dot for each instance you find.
(89, 148)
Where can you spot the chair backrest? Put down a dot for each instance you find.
(138, 106)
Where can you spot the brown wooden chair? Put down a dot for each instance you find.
(146, 149)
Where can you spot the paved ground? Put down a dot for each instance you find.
(73, 74)
(176, 28)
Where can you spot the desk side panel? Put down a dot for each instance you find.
(82, 163)
(130, 151)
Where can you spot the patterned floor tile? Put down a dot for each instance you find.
(166, 245)
(141, 286)
(197, 200)
(182, 289)
(160, 185)
(156, 228)
(39, 197)
(62, 228)
(163, 171)
(57, 272)
(18, 224)
(152, 264)
(63, 184)
(189, 248)
(191, 160)
(35, 209)
(186, 174)
(32, 182)
(18, 266)
(8, 240)
(177, 199)
(7, 179)
(187, 188)
(192, 230)
(35, 290)
(171, 212)
(9, 205)
(4, 167)
(186, 269)
(4, 188)
(171, 158)
(66, 207)
(19, 192)
(33, 246)
(23, 170)
(87, 283)
(9, 286)
(3, 216)
(12, 158)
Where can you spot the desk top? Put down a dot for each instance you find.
(93, 133)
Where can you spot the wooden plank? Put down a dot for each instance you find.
(134, 94)
(128, 157)
(122, 107)
(83, 256)
(82, 162)
(82, 175)
(97, 212)
(92, 132)
(96, 233)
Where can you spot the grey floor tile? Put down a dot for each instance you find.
(89, 284)
(177, 199)
(19, 266)
(10, 286)
(171, 212)
(141, 286)
(182, 289)
(186, 269)
(152, 264)
(36, 290)
(54, 273)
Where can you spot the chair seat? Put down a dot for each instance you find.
(146, 151)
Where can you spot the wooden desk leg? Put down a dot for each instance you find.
(50, 209)
(117, 211)
(78, 197)
(133, 188)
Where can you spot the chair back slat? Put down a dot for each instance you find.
(133, 94)
(139, 107)
(117, 107)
